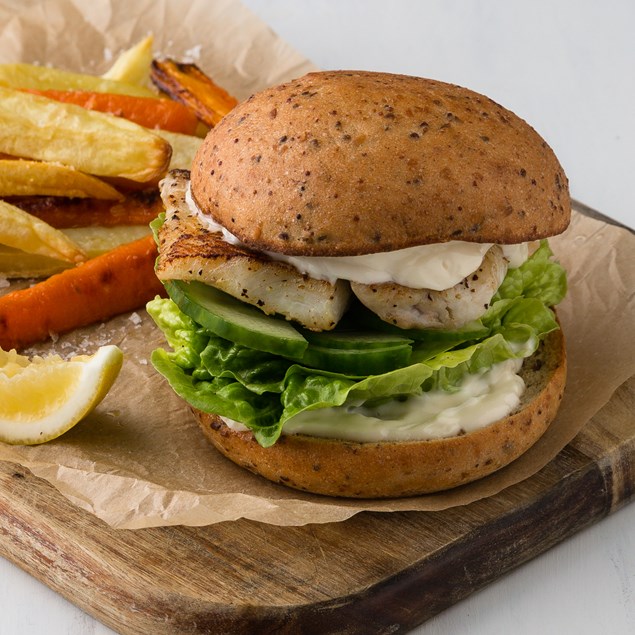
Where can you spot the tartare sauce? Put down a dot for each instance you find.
(481, 399)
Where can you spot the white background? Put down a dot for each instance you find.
(567, 67)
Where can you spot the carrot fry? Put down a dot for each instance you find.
(118, 281)
(137, 208)
(189, 85)
(146, 111)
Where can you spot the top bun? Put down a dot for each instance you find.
(346, 163)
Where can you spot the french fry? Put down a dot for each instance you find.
(26, 232)
(45, 78)
(39, 128)
(133, 65)
(118, 281)
(93, 241)
(137, 208)
(148, 112)
(189, 85)
(37, 178)
(184, 148)
(15, 263)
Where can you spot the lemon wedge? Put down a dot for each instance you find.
(41, 398)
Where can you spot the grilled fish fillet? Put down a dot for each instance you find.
(427, 309)
(190, 251)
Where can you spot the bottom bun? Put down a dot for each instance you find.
(404, 468)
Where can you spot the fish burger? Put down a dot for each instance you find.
(360, 285)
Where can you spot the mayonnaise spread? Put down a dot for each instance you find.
(437, 266)
(481, 399)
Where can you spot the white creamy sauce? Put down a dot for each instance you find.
(437, 267)
(481, 399)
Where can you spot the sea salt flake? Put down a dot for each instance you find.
(193, 54)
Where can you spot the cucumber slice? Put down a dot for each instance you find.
(347, 340)
(350, 353)
(234, 320)
(357, 354)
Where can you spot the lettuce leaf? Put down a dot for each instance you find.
(183, 335)
(538, 277)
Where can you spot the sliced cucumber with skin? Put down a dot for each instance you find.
(350, 353)
(359, 354)
(234, 320)
(359, 340)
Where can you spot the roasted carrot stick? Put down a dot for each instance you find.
(188, 84)
(118, 281)
(146, 111)
(137, 208)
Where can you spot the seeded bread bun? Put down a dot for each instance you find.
(346, 163)
(405, 468)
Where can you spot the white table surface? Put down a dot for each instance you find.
(568, 67)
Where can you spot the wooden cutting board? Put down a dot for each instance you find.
(375, 573)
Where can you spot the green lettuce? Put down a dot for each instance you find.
(263, 391)
(538, 277)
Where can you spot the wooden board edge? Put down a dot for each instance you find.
(585, 210)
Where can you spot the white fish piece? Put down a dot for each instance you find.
(190, 251)
(451, 308)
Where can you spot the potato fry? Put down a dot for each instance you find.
(15, 263)
(36, 178)
(184, 148)
(94, 241)
(133, 65)
(98, 240)
(189, 85)
(21, 230)
(45, 77)
(39, 128)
